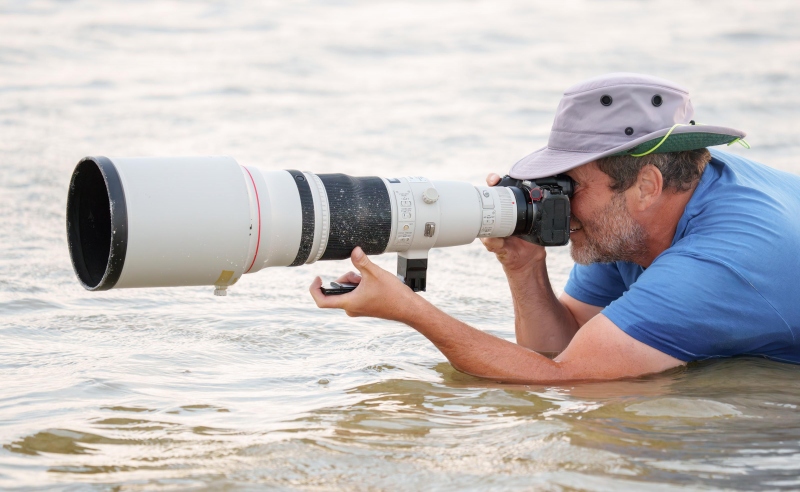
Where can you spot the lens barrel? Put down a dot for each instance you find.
(181, 221)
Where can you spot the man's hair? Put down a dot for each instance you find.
(679, 169)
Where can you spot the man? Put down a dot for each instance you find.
(682, 254)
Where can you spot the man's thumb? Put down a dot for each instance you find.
(360, 259)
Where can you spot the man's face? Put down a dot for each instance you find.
(602, 229)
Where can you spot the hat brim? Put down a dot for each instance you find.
(549, 162)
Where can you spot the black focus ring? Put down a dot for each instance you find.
(361, 215)
(307, 210)
(523, 220)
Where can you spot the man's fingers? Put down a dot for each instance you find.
(360, 260)
(492, 179)
(316, 291)
(494, 244)
(350, 277)
(321, 299)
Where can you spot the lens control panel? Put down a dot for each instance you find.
(416, 210)
(405, 214)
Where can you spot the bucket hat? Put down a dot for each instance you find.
(620, 114)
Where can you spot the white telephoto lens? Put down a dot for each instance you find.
(180, 221)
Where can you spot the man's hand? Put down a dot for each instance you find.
(516, 255)
(379, 294)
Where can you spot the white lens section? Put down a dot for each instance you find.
(498, 211)
(435, 214)
(188, 221)
(281, 218)
(459, 213)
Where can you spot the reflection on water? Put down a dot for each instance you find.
(712, 423)
(176, 389)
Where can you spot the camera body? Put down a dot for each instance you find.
(543, 208)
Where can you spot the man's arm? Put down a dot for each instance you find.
(581, 311)
(600, 350)
(542, 322)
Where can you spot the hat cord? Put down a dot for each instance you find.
(741, 141)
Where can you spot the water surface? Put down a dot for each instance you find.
(163, 389)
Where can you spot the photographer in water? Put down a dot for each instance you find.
(681, 254)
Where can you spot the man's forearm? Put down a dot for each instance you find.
(541, 322)
(599, 351)
(480, 354)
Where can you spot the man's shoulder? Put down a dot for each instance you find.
(741, 209)
(737, 172)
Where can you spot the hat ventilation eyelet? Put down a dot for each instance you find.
(657, 100)
(606, 100)
(629, 131)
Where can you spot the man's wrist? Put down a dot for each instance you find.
(531, 282)
(409, 308)
(525, 271)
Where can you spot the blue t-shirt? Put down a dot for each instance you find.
(727, 284)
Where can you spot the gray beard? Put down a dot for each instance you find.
(611, 236)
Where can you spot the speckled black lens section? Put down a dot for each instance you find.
(307, 209)
(361, 215)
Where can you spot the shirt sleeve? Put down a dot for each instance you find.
(598, 284)
(693, 306)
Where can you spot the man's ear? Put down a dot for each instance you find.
(648, 187)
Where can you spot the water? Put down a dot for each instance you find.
(166, 389)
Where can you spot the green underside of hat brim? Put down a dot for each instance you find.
(678, 142)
